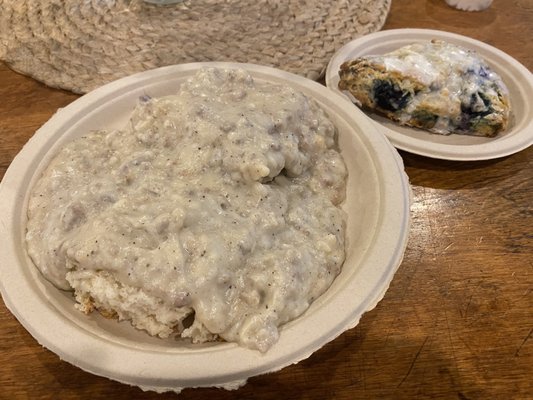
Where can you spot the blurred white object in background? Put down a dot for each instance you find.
(470, 5)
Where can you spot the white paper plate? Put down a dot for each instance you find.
(378, 199)
(518, 79)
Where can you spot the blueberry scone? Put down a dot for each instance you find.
(434, 85)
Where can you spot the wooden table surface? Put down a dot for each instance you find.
(457, 320)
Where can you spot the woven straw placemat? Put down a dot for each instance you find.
(79, 45)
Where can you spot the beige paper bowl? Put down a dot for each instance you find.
(517, 78)
(378, 199)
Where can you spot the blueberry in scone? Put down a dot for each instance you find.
(433, 85)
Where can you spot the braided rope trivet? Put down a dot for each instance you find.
(80, 45)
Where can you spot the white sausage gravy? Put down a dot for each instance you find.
(213, 215)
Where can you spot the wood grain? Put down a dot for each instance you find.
(457, 320)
